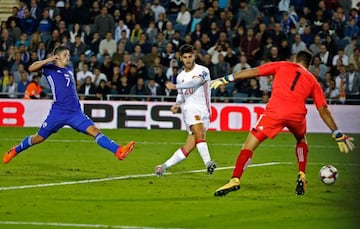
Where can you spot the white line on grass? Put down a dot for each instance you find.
(174, 143)
(79, 225)
(124, 177)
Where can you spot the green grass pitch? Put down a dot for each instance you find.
(86, 187)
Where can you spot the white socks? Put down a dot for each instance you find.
(202, 147)
(175, 158)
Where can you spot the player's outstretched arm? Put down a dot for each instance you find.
(37, 65)
(344, 142)
(248, 73)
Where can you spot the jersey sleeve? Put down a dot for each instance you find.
(318, 96)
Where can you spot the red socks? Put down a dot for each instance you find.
(301, 155)
(242, 162)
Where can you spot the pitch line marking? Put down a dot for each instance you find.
(125, 177)
(81, 225)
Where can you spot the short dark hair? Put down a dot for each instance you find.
(60, 49)
(305, 57)
(186, 48)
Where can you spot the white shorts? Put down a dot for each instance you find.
(194, 116)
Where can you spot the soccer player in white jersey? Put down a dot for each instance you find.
(193, 97)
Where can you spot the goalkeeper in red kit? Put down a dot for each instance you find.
(293, 84)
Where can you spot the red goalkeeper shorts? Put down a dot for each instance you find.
(267, 127)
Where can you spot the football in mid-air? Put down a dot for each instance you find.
(328, 174)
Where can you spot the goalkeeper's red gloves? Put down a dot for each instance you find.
(344, 142)
(220, 81)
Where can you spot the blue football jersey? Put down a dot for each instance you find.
(63, 86)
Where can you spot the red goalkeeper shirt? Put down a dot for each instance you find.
(292, 86)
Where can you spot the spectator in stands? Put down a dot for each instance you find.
(135, 34)
(355, 59)
(114, 81)
(17, 73)
(22, 84)
(80, 14)
(22, 41)
(25, 55)
(230, 57)
(247, 14)
(77, 49)
(315, 45)
(102, 90)
(125, 65)
(307, 37)
(88, 35)
(33, 58)
(325, 56)
(154, 89)
(254, 92)
(98, 76)
(66, 13)
(208, 19)
(123, 87)
(87, 90)
(183, 19)
(298, 45)
(5, 40)
(121, 26)
(107, 46)
(139, 89)
(160, 77)
(352, 88)
(82, 74)
(222, 95)
(250, 46)
(104, 23)
(76, 31)
(107, 67)
(157, 9)
(53, 10)
(332, 93)
(51, 43)
(34, 90)
(340, 56)
(10, 87)
(167, 55)
(349, 48)
(46, 25)
(323, 69)
(35, 10)
(222, 68)
(13, 16)
(141, 69)
(41, 51)
(34, 41)
(28, 24)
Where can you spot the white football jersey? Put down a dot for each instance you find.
(197, 97)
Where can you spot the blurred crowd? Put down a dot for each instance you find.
(127, 50)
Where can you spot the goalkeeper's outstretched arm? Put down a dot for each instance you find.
(248, 73)
(344, 142)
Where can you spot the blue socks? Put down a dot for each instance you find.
(26, 143)
(106, 143)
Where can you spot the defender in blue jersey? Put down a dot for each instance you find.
(66, 109)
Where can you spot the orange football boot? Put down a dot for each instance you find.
(9, 155)
(123, 151)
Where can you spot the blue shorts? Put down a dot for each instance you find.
(56, 119)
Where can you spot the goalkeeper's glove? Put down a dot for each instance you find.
(220, 81)
(344, 142)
